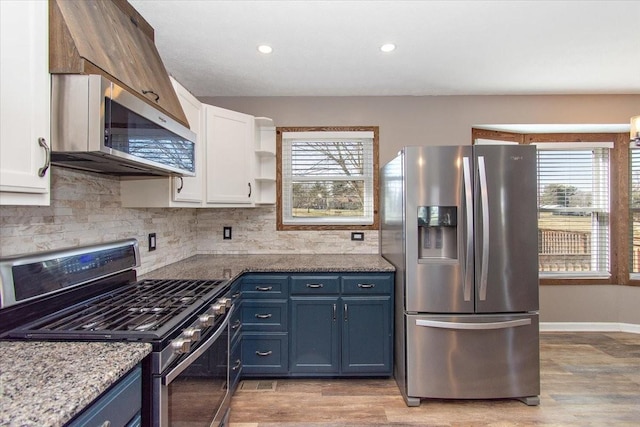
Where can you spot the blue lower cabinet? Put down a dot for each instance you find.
(315, 335)
(366, 335)
(265, 353)
(317, 324)
(119, 406)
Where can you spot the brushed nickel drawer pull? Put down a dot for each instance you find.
(237, 365)
(366, 285)
(264, 288)
(264, 353)
(315, 285)
(236, 324)
(263, 316)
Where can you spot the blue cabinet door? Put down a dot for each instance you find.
(315, 335)
(366, 335)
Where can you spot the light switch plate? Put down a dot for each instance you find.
(152, 242)
(226, 233)
(357, 235)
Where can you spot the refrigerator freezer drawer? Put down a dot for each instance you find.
(473, 357)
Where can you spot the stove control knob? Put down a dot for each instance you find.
(192, 334)
(218, 309)
(206, 320)
(225, 301)
(181, 346)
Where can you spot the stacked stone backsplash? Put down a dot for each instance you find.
(85, 209)
(254, 232)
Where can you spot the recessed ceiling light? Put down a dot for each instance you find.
(388, 47)
(263, 48)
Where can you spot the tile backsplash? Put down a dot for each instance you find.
(85, 209)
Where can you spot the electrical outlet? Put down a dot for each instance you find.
(226, 233)
(152, 242)
(357, 235)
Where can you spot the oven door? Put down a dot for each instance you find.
(195, 391)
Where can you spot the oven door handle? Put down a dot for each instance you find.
(173, 374)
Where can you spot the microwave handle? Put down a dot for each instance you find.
(173, 374)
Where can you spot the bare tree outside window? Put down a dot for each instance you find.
(328, 179)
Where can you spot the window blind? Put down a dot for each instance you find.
(573, 210)
(327, 180)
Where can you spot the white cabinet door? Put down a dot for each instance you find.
(24, 103)
(190, 189)
(230, 157)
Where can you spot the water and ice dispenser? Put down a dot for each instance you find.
(437, 232)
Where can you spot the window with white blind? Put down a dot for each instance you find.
(634, 205)
(327, 177)
(573, 209)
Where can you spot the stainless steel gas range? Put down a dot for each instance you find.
(92, 293)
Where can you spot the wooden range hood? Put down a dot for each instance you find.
(111, 38)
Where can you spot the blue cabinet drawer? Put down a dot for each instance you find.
(264, 286)
(264, 315)
(315, 285)
(265, 353)
(367, 284)
(118, 406)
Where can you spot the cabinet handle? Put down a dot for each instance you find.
(315, 285)
(181, 186)
(346, 313)
(264, 288)
(366, 285)
(106, 423)
(47, 154)
(264, 353)
(249, 184)
(236, 324)
(236, 295)
(335, 309)
(237, 365)
(157, 97)
(263, 316)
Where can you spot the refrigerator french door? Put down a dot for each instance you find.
(460, 225)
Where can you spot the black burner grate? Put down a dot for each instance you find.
(145, 306)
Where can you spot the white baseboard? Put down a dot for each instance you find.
(589, 327)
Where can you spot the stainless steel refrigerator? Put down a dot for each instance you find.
(459, 223)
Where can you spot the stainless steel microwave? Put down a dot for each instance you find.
(98, 126)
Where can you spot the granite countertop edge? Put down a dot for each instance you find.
(223, 266)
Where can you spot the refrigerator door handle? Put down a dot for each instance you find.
(473, 326)
(484, 198)
(468, 195)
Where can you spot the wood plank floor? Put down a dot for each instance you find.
(587, 379)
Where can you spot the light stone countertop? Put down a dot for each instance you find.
(208, 267)
(48, 383)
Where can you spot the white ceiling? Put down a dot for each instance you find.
(331, 47)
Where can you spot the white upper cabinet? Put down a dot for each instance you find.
(234, 168)
(174, 191)
(25, 85)
(230, 157)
